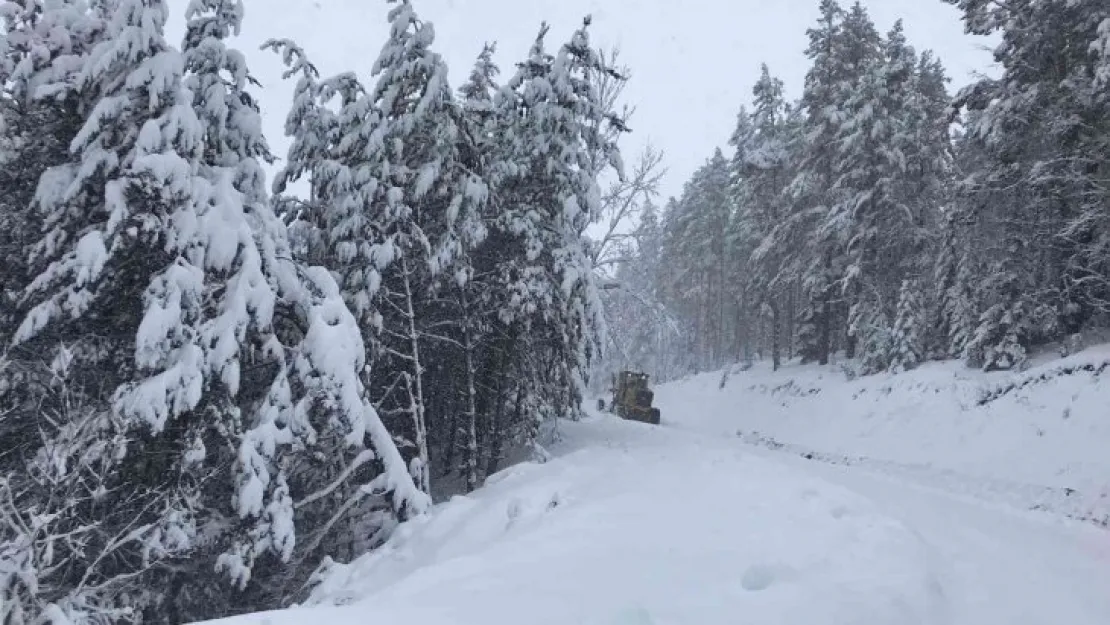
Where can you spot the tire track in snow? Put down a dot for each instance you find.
(1067, 502)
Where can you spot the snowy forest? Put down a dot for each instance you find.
(215, 383)
(883, 221)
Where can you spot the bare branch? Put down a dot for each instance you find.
(624, 200)
(362, 458)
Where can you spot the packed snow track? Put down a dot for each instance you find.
(689, 524)
(634, 524)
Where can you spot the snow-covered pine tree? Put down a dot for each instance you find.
(552, 121)
(928, 142)
(835, 203)
(704, 251)
(500, 410)
(440, 182)
(838, 62)
(871, 214)
(962, 308)
(671, 287)
(313, 128)
(472, 280)
(163, 276)
(528, 308)
(696, 248)
(942, 322)
(748, 311)
(871, 327)
(40, 49)
(907, 348)
(347, 432)
(1042, 125)
(762, 167)
(375, 172)
(1005, 327)
(952, 317)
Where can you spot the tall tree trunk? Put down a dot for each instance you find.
(416, 389)
(722, 330)
(776, 357)
(824, 333)
(851, 340)
(791, 312)
(825, 316)
(452, 421)
(471, 398)
(494, 434)
(738, 334)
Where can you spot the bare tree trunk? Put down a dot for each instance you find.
(722, 322)
(825, 319)
(738, 335)
(850, 339)
(791, 312)
(760, 333)
(776, 356)
(518, 412)
(471, 398)
(494, 434)
(452, 421)
(416, 388)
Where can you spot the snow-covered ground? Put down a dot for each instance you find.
(631, 524)
(878, 501)
(1037, 438)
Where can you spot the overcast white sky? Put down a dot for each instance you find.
(693, 62)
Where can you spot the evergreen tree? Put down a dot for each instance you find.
(906, 341)
(473, 284)
(457, 228)
(1043, 130)
(832, 204)
(553, 125)
(195, 366)
(843, 48)
(873, 216)
(809, 189)
(697, 246)
(395, 207)
(763, 165)
(41, 49)
(954, 316)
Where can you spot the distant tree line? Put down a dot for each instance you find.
(882, 220)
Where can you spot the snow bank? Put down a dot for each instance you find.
(632, 524)
(1036, 438)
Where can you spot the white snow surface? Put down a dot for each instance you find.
(1036, 438)
(884, 500)
(633, 524)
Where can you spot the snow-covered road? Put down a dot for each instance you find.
(962, 475)
(995, 565)
(639, 525)
(689, 524)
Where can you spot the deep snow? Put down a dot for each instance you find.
(883, 500)
(1032, 439)
(631, 524)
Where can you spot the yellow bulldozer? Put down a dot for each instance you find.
(632, 398)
